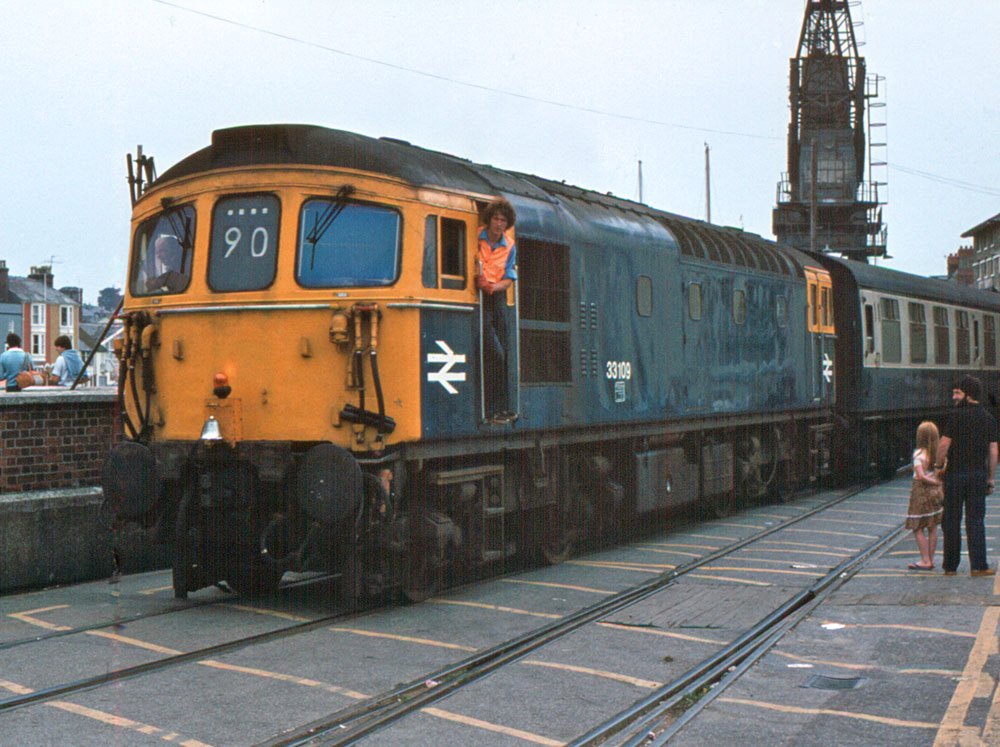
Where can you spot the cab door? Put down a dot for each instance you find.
(822, 334)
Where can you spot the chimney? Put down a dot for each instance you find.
(4, 282)
(42, 274)
(73, 292)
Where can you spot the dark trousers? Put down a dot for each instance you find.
(966, 491)
(495, 352)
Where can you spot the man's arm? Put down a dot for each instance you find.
(942, 452)
(993, 463)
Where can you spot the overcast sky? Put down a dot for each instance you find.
(578, 91)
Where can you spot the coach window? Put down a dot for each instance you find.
(918, 333)
(961, 337)
(644, 296)
(244, 244)
(989, 341)
(739, 307)
(869, 329)
(942, 341)
(781, 311)
(347, 244)
(975, 340)
(161, 253)
(891, 344)
(694, 301)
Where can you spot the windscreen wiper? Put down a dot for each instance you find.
(324, 221)
(183, 236)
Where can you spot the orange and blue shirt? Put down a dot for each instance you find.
(497, 260)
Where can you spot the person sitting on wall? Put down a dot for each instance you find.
(13, 361)
(68, 365)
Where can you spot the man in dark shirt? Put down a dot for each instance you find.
(969, 442)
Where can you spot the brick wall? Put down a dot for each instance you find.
(55, 438)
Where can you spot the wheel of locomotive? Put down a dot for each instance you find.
(254, 577)
(561, 533)
(724, 504)
(420, 578)
(185, 540)
(756, 465)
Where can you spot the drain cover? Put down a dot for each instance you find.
(822, 682)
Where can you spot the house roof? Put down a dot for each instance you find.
(985, 224)
(90, 333)
(27, 290)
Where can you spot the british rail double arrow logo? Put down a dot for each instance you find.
(444, 375)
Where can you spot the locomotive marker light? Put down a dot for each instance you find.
(444, 375)
(221, 388)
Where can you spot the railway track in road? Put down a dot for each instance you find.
(645, 723)
(364, 719)
(373, 713)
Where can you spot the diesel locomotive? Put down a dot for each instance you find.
(302, 368)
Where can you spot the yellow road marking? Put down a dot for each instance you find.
(458, 718)
(648, 684)
(900, 626)
(679, 544)
(884, 514)
(671, 552)
(731, 524)
(773, 516)
(782, 571)
(121, 722)
(828, 531)
(15, 688)
(863, 667)
(134, 642)
(495, 608)
(271, 613)
(305, 681)
(952, 725)
(404, 638)
(991, 728)
(829, 712)
(785, 543)
(713, 537)
(156, 590)
(746, 581)
(215, 664)
(106, 718)
(571, 587)
(615, 566)
(860, 521)
(797, 552)
(630, 563)
(27, 617)
(658, 631)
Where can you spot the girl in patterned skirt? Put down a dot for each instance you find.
(926, 497)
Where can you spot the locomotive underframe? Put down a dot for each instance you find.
(429, 514)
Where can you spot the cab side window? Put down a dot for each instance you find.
(444, 253)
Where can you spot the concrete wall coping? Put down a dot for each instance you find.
(57, 395)
(41, 499)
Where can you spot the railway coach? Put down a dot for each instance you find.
(302, 365)
(903, 341)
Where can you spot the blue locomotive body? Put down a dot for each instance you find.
(655, 361)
